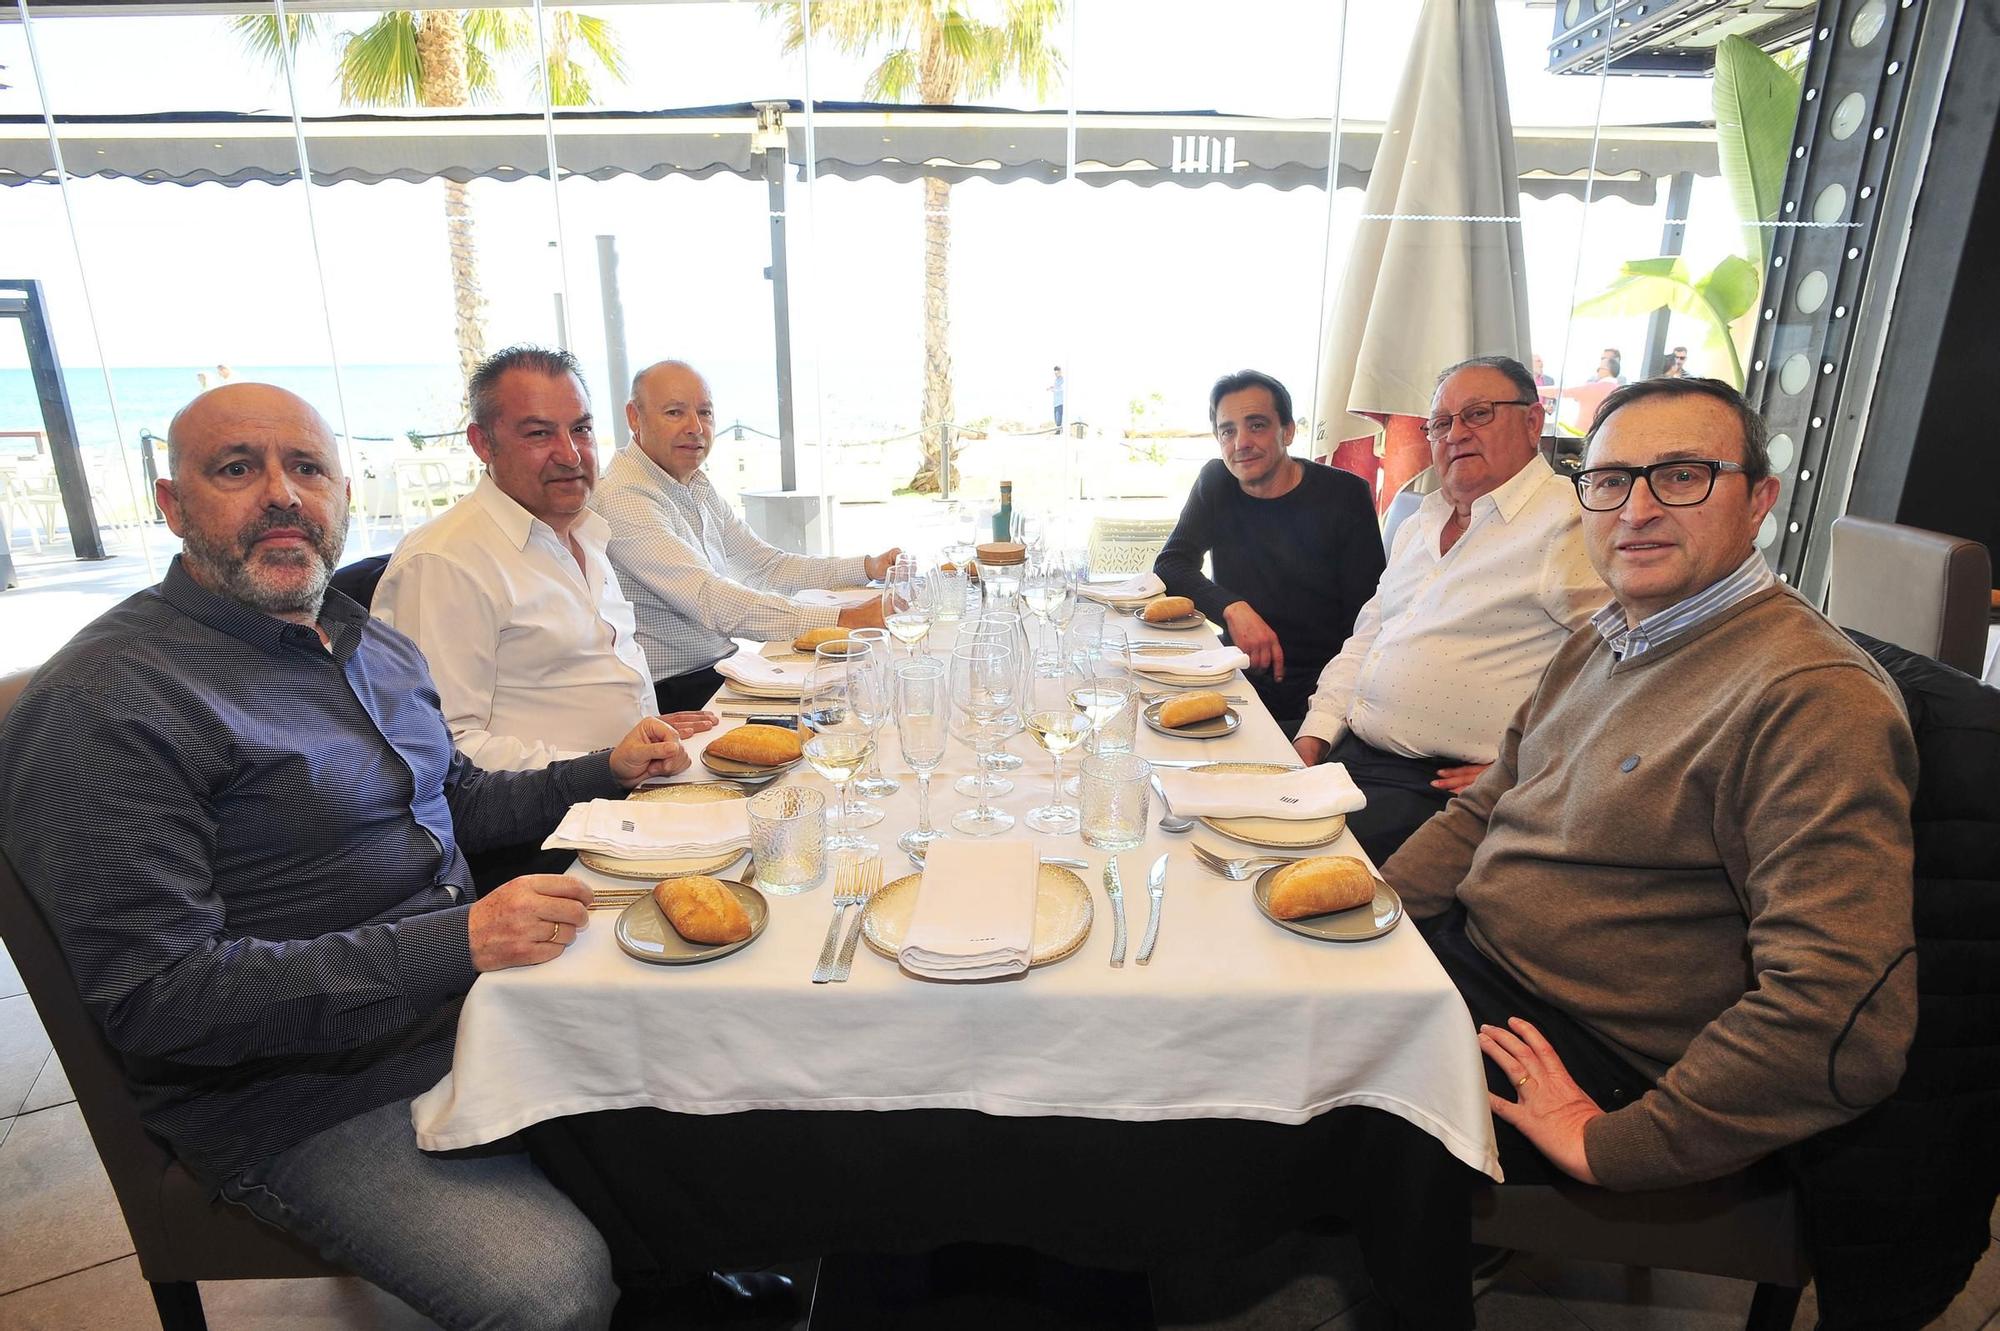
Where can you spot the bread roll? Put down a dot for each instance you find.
(702, 910)
(812, 638)
(767, 746)
(1166, 608)
(1321, 884)
(1192, 707)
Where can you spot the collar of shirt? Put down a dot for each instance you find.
(1506, 499)
(518, 524)
(1751, 576)
(685, 492)
(341, 618)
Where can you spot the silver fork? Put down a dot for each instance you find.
(846, 892)
(1238, 870)
(870, 879)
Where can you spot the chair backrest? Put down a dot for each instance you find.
(132, 1159)
(1126, 545)
(1407, 501)
(1922, 590)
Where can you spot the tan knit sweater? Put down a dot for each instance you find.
(1703, 854)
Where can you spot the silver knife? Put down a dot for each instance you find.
(1114, 889)
(1156, 888)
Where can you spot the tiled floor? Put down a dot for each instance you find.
(65, 1259)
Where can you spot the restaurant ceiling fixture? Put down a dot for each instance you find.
(1668, 37)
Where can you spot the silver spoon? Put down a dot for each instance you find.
(1169, 820)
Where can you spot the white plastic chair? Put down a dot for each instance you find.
(1126, 545)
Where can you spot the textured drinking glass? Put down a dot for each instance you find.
(1114, 799)
(788, 837)
(1087, 624)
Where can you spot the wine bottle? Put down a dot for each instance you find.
(1003, 517)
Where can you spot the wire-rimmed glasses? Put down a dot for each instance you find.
(1678, 483)
(1473, 414)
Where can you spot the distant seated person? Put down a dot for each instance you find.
(1611, 366)
(1678, 905)
(1294, 545)
(1675, 366)
(511, 597)
(696, 574)
(1486, 580)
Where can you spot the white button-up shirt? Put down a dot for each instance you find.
(1451, 644)
(534, 658)
(697, 575)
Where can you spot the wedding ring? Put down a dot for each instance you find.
(555, 932)
(1523, 1082)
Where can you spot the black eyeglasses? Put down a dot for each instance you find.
(1681, 483)
(1474, 414)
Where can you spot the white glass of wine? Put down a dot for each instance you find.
(841, 704)
(923, 720)
(1056, 724)
(907, 611)
(984, 683)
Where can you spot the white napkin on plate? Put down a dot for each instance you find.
(975, 915)
(1136, 588)
(821, 599)
(762, 673)
(1309, 792)
(653, 828)
(1211, 663)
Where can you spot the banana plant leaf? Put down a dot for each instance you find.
(1715, 299)
(1756, 108)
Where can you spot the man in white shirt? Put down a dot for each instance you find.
(697, 575)
(509, 592)
(1486, 580)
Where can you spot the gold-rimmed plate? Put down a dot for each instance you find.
(693, 792)
(1062, 915)
(1356, 925)
(643, 930)
(1213, 728)
(1275, 833)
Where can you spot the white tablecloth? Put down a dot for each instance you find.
(1233, 1018)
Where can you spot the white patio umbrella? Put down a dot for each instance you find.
(1435, 272)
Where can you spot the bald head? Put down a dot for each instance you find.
(255, 493)
(672, 417)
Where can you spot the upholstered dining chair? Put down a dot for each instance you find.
(179, 1234)
(1923, 590)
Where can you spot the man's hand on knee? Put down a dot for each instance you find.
(527, 921)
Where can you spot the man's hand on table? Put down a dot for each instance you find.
(865, 616)
(651, 750)
(1551, 1110)
(878, 566)
(527, 921)
(1254, 638)
(1312, 750)
(1455, 779)
(687, 724)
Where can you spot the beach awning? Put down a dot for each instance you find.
(852, 141)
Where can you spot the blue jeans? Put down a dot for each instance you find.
(469, 1241)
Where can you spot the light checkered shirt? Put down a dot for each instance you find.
(1753, 575)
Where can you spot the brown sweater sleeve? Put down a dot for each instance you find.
(1814, 827)
(1431, 864)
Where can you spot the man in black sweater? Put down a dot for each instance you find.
(1295, 545)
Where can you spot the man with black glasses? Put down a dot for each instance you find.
(1485, 581)
(1679, 901)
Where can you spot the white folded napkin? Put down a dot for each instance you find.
(820, 599)
(653, 828)
(1138, 587)
(1206, 664)
(1309, 792)
(762, 672)
(975, 915)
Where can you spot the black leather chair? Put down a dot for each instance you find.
(179, 1234)
(1889, 1213)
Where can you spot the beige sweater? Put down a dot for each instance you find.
(1703, 854)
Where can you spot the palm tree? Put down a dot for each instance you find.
(939, 50)
(448, 58)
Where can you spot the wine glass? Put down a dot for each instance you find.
(1006, 627)
(839, 693)
(1056, 724)
(923, 718)
(1059, 606)
(1104, 699)
(906, 610)
(872, 784)
(983, 683)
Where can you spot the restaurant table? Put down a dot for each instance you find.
(1247, 1079)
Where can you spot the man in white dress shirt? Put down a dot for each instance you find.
(1486, 580)
(697, 575)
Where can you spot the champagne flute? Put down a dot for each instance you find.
(1059, 606)
(923, 716)
(839, 693)
(983, 681)
(872, 784)
(1057, 726)
(1035, 591)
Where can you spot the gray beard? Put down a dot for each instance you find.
(226, 569)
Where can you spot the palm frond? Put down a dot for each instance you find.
(259, 34)
(482, 77)
(895, 77)
(378, 65)
(499, 31)
(602, 39)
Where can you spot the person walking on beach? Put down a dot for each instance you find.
(1056, 397)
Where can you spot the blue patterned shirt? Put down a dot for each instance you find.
(1753, 575)
(248, 843)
